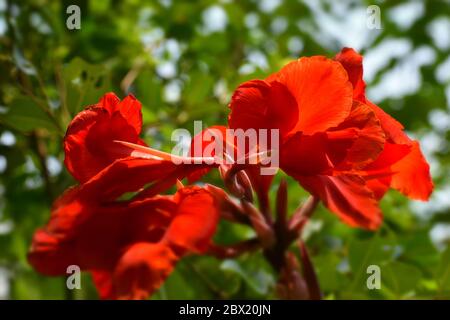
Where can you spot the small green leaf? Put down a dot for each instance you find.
(252, 271)
(84, 84)
(400, 278)
(443, 274)
(26, 114)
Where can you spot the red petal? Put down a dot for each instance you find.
(392, 128)
(378, 174)
(322, 91)
(142, 269)
(130, 109)
(48, 256)
(88, 143)
(135, 173)
(412, 175)
(258, 104)
(352, 62)
(109, 101)
(348, 197)
(195, 221)
(205, 144)
(360, 138)
(305, 155)
(104, 283)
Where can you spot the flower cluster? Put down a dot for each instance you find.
(121, 226)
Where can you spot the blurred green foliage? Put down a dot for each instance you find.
(182, 59)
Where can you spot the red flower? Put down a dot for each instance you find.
(329, 136)
(89, 142)
(129, 246)
(411, 172)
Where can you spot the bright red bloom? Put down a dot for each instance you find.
(129, 246)
(331, 139)
(89, 142)
(411, 172)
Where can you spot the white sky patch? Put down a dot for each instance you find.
(3, 26)
(39, 24)
(3, 5)
(251, 20)
(166, 3)
(295, 45)
(439, 202)
(405, 77)
(6, 227)
(33, 182)
(221, 91)
(3, 163)
(172, 91)
(438, 30)
(151, 38)
(440, 235)
(214, 19)
(379, 57)
(268, 6)
(4, 283)
(29, 165)
(442, 72)
(258, 59)
(166, 69)
(7, 139)
(404, 15)
(447, 94)
(279, 25)
(54, 166)
(439, 119)
(343, 26)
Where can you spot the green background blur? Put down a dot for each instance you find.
(182, 60)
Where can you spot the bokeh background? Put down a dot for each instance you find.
(182, 60)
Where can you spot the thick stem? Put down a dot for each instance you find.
(286, 232)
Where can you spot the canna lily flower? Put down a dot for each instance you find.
(89, 143)
(129, 246)
(401, 155)
(331, 139)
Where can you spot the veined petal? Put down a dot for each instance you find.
(412, 175)
(305, 155)
(348, 197)
(88, 143)
(258, 104)
(322, 91)
(104, 284)
(195, 221)
(142, 269)
(359, 139)
(131, 109)
(353, 64)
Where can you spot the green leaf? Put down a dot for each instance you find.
(148, 90)
(199, 278)
(362, 254)
(443, 274)
(254, 272)
(400, 278)
(198, 88)
(26, 114)
(84, 84)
